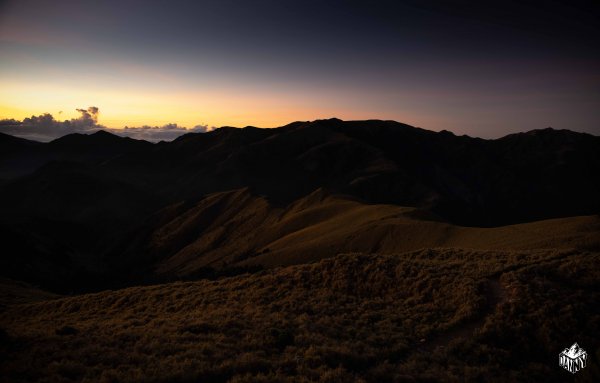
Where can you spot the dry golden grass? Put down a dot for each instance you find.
(248, 231)
(354, 317)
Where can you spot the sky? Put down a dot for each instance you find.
(485, 70)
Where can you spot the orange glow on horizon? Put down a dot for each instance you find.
(136, 108)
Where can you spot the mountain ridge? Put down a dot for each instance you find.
(102, 196)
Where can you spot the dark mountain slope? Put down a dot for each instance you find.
(524, 177)
(11, 143)
(102, 195)
(466, 180)
(17, 155)
(21, 157)
(57, 222)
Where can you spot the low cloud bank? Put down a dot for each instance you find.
(167, 132)
(46, 128)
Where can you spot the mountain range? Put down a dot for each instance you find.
(86, 212)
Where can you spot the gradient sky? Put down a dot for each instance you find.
(483, 70)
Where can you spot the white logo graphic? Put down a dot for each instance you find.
(572, 359)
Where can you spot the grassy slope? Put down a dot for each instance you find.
(249, 231)
(456, 312)
(442, 314)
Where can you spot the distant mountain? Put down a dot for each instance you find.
(9, 142)
(17, 156)
(83, 206)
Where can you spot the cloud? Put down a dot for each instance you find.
(46, 128)
(89, 115)
(167, 132)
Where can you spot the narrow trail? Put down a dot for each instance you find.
(495, 295)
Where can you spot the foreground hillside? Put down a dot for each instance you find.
(430, 315)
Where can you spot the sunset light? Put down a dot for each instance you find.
(299, 191)
(223, 70)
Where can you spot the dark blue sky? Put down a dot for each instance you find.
(484, 70)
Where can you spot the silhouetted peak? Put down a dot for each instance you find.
(545, 131)
(185, 137)
(328, 121)
(100, 136)
(223, 129)
(447, 133)
(104, 133)
(100, 140)
(547, 134)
